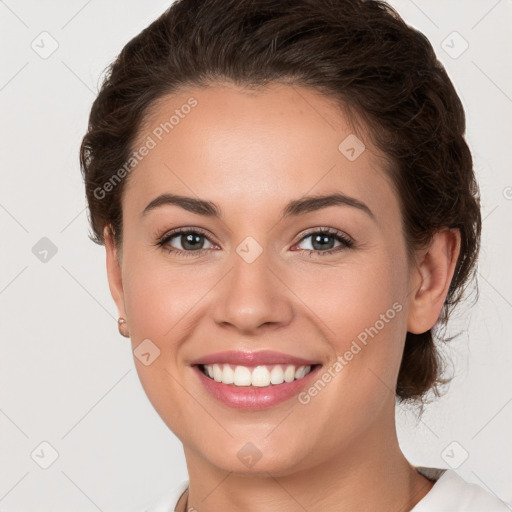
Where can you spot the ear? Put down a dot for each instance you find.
(431, 280)
(115, 279)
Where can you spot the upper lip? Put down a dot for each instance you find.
(263, 357)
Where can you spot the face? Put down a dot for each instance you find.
(323, 281)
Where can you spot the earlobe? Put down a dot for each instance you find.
(115, 280)
(434, 274)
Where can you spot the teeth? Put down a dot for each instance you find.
(217, 373)
(277, 375)
(289, 374)
(242, 376)
(300, 372)
(228, 375)
(260, 376)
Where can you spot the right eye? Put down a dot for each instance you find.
(189, 241)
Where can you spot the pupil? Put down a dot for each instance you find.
(323, 240)
(189, 240)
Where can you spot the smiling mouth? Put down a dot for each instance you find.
(255, 376)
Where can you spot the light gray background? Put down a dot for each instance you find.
(67, 377)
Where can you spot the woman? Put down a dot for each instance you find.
(289, 209)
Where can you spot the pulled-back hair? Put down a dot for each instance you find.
(359, 53)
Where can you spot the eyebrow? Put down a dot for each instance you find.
(294, 208)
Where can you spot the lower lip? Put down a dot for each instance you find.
(255, 398)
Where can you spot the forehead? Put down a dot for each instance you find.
(251, 150)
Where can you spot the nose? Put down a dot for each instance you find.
(253, 296)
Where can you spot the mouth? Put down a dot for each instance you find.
(255, 387)
(260, 376)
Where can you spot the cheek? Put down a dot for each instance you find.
(364, 321)
(158, 296)
(354, 297)
(158, 303)
(365, 324)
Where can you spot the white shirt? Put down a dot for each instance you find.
(450, 493)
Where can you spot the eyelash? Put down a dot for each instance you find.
(346, 243)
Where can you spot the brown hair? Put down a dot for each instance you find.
(358, 52)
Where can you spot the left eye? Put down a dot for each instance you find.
(189, 241)
(324, 241)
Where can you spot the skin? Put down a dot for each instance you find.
(251, 153)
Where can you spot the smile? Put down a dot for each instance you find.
(250, 397)
(259, 376)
